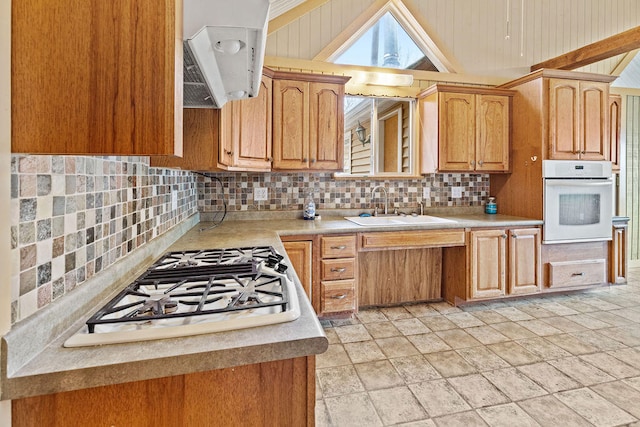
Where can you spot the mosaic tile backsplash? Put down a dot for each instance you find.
(288, 191)
(75, 216)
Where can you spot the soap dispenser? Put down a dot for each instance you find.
(309, 207)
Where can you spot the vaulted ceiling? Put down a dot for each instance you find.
(497, 38)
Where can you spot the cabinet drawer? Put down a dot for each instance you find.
(412, 239)
(336, 269)
(338, 246)
(337, 296)
(577, 273)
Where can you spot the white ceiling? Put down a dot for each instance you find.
(630, 77)
(278, 7)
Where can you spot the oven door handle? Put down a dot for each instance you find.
(579, 182)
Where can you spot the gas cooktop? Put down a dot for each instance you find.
(195, 292)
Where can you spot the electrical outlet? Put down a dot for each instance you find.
(260, 194)
(456, 192)
(426, 193)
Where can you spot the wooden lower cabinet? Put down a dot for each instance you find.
(275, 393)
(574, 265)
(495, 263)
(618, 253)
(301, 255)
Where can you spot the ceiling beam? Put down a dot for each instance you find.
(594, 52)
(288, 17)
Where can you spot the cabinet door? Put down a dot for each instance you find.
(618, 255)
(615, 111)
(594, 134)
(301, 256)
(564, 118)
(456, 113)
(487, 264)
(492, 133)
(96, 77)
(290, 124)
(326, 142)
(525, 271)
(245, 140)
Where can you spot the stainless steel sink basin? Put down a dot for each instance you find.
(387, 221)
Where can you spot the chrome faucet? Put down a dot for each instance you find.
(386, 199)
(421, 207)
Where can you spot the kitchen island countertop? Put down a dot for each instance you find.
(30, 369)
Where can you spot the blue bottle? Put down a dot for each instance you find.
(309, 208)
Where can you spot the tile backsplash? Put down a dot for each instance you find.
(74, 216)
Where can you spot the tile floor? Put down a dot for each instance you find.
(562, 360)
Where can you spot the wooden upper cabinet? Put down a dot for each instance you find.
(96, 77)
(308, 121)
(465, 129)
(578, 120)
(615, 116)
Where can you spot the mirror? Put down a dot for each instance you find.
(384, 149)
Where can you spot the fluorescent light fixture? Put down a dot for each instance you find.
(382, 79)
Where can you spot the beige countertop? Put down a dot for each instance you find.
(35, 362)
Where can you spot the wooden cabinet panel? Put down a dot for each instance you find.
(525, 265)
(290, 124)
(301, 255)
(618, 254)
(338, 246)
(615, 117)
(492, 133)
(338, 296)
(285, 387)
(326, 142)
(577, 273)
(397, 276)
(594, 134)
(96, 77)
(412, 239)
(487, 263)
(457, 132)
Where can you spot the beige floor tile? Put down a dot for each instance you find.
(382, 329)
(322, 414)
(539, 327)
(477, 391)
(564, 324)
(445, 308)
(543, 348)
(489, 316)
(467, 419)
(630, 356)
(334, 356)
(547, 376)
(438, 323)
(513, 330)
(581, 371)
(371, 315)
(579, 306)
(458, 338)
(513, 353)
(482, 358)
(352, 333)
(572, 344)
(396, 347)
(551, 412)
(611, 318)
(397, 405)
(514, 384)
(438, 397)
(620, 394)
(628, 313)
(589, 321)
(428, 343)
(360, 352)
(411, 326)
(558, 309)
(611, 365)
(414, 369)
(339, 380)
(332, 337)
(395, 313)
(633, 382)
(513, 314)
(486, 334)
(421, 310)
(464, 320)
(421, 423)
(598, 340)
(594, 408)
(318, 389)
(536, 311)
(378, 375)
(601, 304)
(450, 364)
(352, 410)
(507, 415)
(627, 335)
(345, 322)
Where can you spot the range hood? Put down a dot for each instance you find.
(224, 43)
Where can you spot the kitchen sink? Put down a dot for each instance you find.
(397, 220)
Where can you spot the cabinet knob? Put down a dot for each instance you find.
(305, 160)
(270, 159)
(472, 162)
(515, 236)
(504, 236)
(338, 270)
(228, 152)
(340, 296)
(313, 160)
(480, 162)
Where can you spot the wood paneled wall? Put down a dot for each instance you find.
(633, 177)
(475, 32)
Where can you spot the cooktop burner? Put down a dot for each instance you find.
(222, 288)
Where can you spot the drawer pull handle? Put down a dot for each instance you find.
(341, 296)
(578, 274)
(338, 270)
(339, 248)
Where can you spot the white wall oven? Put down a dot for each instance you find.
(578, 197)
